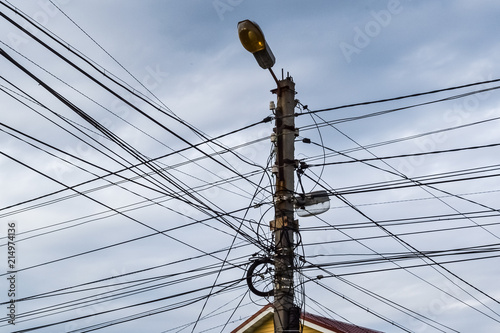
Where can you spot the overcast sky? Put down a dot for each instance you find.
(90, 254)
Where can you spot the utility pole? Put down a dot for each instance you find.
(284, 226)
(286, 314)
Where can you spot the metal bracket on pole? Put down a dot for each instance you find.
(284, 222)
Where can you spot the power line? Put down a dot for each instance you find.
(93, 79)
(431, 92)
(382, 158)
(202, 207)
(223, 286)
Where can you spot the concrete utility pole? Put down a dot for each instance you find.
(286, 314)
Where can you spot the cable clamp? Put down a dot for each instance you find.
(267, 119)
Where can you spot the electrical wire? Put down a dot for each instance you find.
(431, 179)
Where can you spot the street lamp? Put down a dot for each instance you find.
(253, 40)
(284, 226)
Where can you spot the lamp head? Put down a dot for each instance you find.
(252, 39)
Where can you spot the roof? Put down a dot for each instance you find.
(319, 323)
(337, 326)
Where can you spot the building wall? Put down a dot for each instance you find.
(267, 327)
(309, 330)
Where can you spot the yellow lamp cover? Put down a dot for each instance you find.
(251, 36)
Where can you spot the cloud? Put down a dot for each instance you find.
(188, 56)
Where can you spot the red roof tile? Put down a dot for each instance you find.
(336, 325)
